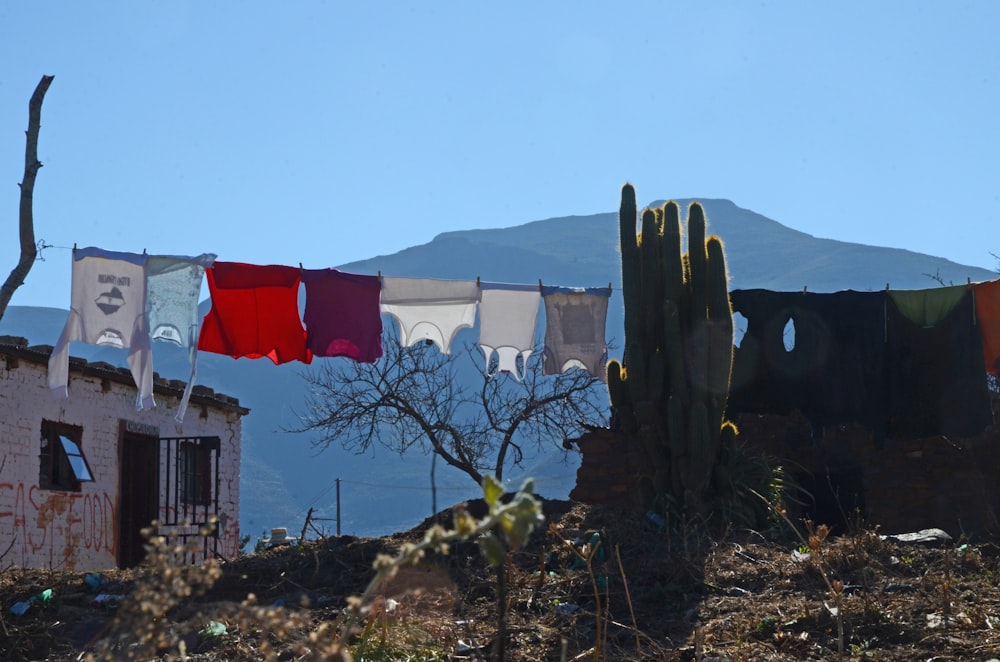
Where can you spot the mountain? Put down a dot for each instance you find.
(583, 250)
(283, 475)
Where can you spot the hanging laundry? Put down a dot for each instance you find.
(508, 314)
(342, 314)
(430, 309)
(938, 384)
(846, 335)
(987, 296)
(767, 377)
(927, 308)
(107, 307)
(831, 368)
(173, 286)
(575, 320)
(255, 313)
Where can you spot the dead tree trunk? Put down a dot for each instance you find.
(26, 221)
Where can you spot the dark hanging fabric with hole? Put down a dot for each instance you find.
(834, 370)
(767, 378)
(938, 381)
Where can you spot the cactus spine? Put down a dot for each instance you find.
(672, 388)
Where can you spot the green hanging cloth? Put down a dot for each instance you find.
(926, 308)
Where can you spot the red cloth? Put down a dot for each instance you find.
(255, 313)
(342, 314)
(988, 314)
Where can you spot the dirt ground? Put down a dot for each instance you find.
(653, 594)
(742, 596)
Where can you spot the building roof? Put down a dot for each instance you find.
(17, 348)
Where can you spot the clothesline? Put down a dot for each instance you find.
(126, 300)
(900, 362)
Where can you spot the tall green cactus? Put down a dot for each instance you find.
(671, 390)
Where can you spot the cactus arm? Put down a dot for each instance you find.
(698, 259)
(630, 263)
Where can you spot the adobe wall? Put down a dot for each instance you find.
(79, 530)
(608, 470)
(907, 485)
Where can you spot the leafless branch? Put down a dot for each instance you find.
(936, 276)
(26, 221)
(417, 397)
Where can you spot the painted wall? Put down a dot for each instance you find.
(80, 530)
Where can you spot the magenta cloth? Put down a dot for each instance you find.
(342, 314)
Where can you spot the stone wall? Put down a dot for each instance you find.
(80, 529)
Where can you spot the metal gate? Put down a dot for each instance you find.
(189, 492)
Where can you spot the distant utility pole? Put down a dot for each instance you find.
(26, 221)
(338, 507)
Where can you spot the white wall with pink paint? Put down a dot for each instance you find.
(80, 530)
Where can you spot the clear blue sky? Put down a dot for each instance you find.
(321, 133)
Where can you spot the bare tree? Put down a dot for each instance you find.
(415, 397)
(26, 220)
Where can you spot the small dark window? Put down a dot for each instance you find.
(62, 464)
(194, 469)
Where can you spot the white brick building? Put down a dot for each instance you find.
(79, 478)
